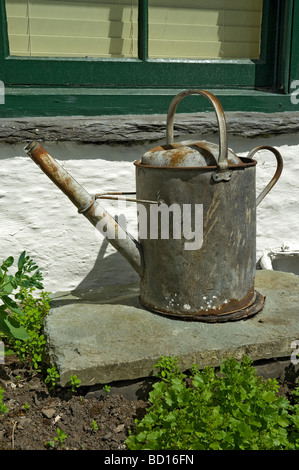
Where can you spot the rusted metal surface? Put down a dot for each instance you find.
(278, 171)
(87, 204)
(175, 156)
(222, 174)
(239, 314)
(122, 196)
(187, 154)
(217, 280)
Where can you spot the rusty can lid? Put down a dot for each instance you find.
(187, 154)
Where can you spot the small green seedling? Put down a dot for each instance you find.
(3, 408)
(74, 383)
(59, 439)
(94, 425)
(106, 389)
(25, 407)
(52, 376)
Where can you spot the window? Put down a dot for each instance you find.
(145, 47)
(72, 28)
(191, 29)
(205, 29)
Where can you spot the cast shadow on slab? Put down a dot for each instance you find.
(107, 282)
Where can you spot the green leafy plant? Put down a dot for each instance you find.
(34, 310)
(106, 389)
(74, 383)
(230, 410)
(25, 407)
(3, 408)
(52, 377)
(94, 425)
(26, 276)
(59, 439)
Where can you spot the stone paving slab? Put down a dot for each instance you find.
(105, 336)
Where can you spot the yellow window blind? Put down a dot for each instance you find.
(75, 28)
(189, 29)
(205, 29)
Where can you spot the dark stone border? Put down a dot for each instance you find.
(137, 129)
(281, 369)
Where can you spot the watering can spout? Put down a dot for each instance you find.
(88, 206)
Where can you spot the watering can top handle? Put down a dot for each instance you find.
(277, 173)
(222, 160)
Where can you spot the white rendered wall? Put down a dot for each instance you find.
(38, 217)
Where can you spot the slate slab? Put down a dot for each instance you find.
(105, 335)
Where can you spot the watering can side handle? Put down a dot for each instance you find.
(278, 171)
(223, 173)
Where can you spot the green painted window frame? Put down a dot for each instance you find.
(127, 82)
(143, 72)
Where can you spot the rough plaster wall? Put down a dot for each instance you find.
(38, 218)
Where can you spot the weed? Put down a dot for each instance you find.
(295, 394)
(27, 276)
(59, 439)
(3, 408)
(23, 325)
(52, 377)
(231, 410)
(74, 383)
(25, 407)
(34, 312)
(106, 389)
(94, 425)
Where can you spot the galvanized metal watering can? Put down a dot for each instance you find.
(211, 280)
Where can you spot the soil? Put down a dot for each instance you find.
(89, 421)
(35, 413)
